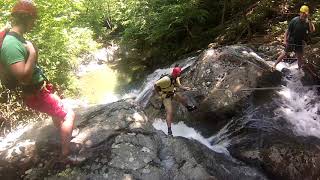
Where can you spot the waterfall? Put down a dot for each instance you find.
(295, 109)
(300, 105)
(146, 91)
(180, 129)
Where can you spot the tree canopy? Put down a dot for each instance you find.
(165, 29)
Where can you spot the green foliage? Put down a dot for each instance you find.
(279, 28)
(58, 39)
(316, 20)
(92, 14)
(79, 41)
(157, 28)
(12, 111)
(61, 36)
(174, 19)
(151, 22)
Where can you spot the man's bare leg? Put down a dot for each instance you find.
(66, 131)
(280, 58)
(301, 62)
(169, 118)
(181, 99)
(169, 114)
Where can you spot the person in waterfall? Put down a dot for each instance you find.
(166, 88)
(295, 36)
(18, 57)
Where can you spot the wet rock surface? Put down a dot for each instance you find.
(267, 141)
(118, 142)
(282, 157)
(249, 121)
(222, 79)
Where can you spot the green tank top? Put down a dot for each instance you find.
(13, 51)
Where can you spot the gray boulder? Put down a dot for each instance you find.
(222, 80)
(118, 142)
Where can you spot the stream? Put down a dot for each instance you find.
(295, 105)
(292, 109)
(290, 112)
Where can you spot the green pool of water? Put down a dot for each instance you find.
(95, 85)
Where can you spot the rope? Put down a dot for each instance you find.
(295, 44)
(275, 88)
(314, 64)
(261, 89)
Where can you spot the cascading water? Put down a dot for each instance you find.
(179, 128)
(147, 88)
(300, 105)
(295, 109)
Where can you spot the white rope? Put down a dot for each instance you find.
(261, 89)
(275, 88)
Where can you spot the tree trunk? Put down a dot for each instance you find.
(225, 3)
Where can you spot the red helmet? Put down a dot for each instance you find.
(176, 71)
(25, 7)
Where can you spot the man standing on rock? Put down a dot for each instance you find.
(19, 61)
(165, 87)
(295, 36)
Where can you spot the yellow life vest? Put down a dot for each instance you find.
(166, 84)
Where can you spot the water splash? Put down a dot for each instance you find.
(300, 105)
(75, 103)
(146, 91)
(180, 129)
(11, 138)
(145, 94)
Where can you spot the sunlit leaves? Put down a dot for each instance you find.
(62, 33)
(156, 21)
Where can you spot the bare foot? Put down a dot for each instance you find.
(75, 147)
(75, 132)
(72, 159)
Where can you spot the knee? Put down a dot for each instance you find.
(169, 113)
(283, 54)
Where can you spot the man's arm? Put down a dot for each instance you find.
(178, 84)
(23, 70)
(286, 36)
(157, 89)
(311, 27)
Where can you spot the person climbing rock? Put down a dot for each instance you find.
(295, 36)
(166, 88)
(18, 59)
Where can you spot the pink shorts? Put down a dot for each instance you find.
(47, 102)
